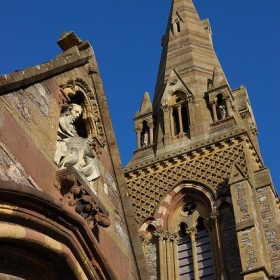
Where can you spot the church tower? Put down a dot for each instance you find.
(204, 203)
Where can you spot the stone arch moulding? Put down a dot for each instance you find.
(176, 195)
(146, 224)
(34, 222)
(91, 112)
(11, 237)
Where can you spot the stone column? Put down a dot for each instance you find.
(214, 111)
(228, 111)
(169, 259)
(175, 239)
(162, 254)
(222, 270)
(166, 119)
(151, 134)
(138, 137)
(179, 107)
(213, 244)
(171, 121)
(192, 232)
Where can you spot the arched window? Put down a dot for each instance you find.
(180, 118)
(144, 136)
(188, 238)
(221, 107)
(194, 249)
(176, 122)
(204, 254)
(178, 26)
(185, 256)
(185, 118)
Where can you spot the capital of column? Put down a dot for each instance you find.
(138, 128)
(165, 108)
(160, 234)
(190, 99)
(191, 231)
(165, 235)
(151, 125)
(175, 237)
(214, 216)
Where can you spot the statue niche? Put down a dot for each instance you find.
(72, 150)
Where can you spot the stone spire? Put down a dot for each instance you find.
(187, 45)
(146, 106)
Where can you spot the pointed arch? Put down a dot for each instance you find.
(184, 234)
(176, 196)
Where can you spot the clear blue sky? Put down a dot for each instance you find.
(126, 37)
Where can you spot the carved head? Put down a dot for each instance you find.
(73, 110)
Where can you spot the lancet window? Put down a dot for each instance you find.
(194, 246)
(177, 24)
(179, 114)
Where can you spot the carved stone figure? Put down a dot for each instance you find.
(73, 150)
(222, 111)
(75, 195)
(146, 139)
(66, 128)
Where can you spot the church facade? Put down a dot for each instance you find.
(203, 201)
(194, 202)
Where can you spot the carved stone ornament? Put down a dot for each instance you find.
(76, 193)
(73, 150)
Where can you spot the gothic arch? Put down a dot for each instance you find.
(184, 219)
(176, 196)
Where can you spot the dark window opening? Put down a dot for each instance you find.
(221, 107)
(176, 121)
(185, 119)
(183, 228)
(200, 224)
(144, 137)
(178, 26)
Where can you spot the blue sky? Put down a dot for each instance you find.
(126, 38)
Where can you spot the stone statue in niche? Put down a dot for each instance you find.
(73, 150)
(146, 139)
(222, 112)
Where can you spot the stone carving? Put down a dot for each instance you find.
(75, 194)
(222, 112)
(73, 150)
(145, 139)
(66, 128)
